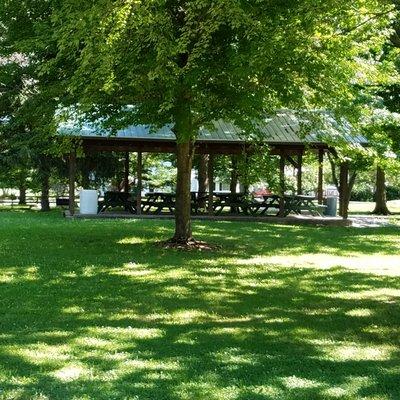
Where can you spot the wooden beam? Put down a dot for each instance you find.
(201, 147)
(126, 173)
(139, 183)
(72, 178)
(282, 184)
(210, 171)
(292, 161)
(300, 174)
(320, 176)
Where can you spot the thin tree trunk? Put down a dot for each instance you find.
(300, 174)
(72, 179)
(44, 178)
(344, 190)
(203, 180)
(22, 195)
(282, 184)
(183, 228)
(380, 193)
(320, 176)
(85, 178)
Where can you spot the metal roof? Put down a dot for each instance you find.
(283, 128)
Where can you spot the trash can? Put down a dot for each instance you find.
(331, 206)
(88, 202)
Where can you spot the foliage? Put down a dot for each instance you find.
(189, 62)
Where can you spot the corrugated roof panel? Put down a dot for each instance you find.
(282, 128)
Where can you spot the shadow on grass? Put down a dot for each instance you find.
(93, 310)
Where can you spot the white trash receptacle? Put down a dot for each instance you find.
(88, 202)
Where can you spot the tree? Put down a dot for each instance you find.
(187, 63)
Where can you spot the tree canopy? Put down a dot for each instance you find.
(188, 62)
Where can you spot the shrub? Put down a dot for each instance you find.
(365, 194)
(392, 193)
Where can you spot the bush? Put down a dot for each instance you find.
(392, 193)
(365, 194)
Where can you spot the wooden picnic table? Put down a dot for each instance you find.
(113, 199)
(198, 200)
(236, 202)
(269, 201)
(293, 204)
(159, 201)
(297, 204)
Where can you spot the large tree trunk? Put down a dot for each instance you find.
(203, 180)
(380, 193)
(183, 228)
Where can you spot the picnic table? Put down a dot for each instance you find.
(114, 199)
(297, 204)
(159, 201)
(198, 201)
(236, 202)
(267, 202)
(292, 204)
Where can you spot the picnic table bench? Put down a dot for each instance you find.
(117, 199)
(292, 204)
(198, 201)
(297, 204)
(236, 202)
(267, 202)
(159, 201)
(62, 201)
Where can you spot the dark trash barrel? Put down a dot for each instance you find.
(331, 207)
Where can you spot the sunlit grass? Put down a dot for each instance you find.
(95, 310)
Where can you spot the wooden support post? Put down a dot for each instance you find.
(320, 176)
(211, 184)
(344, 190)
(203, 181)
(300, 173)
(72, 176)
(126, 173)
(282, 184)
(139, 183)
(234, 174)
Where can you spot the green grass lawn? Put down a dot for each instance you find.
(366, 207)
(94, 310)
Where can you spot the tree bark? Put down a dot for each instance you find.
(380, 193)
(300, 174)
(282, 184)
(183, 228)
(72, 179)
(44, 172)
(126, 173)
(22, 195)
(185, 133)
(203, 180)
(139, 183)
(210, 175)
(344, 195)
(85, 180)
(320, 176)
(44, 197)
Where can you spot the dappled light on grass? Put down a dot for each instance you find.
(103, 313)
(378, 264)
